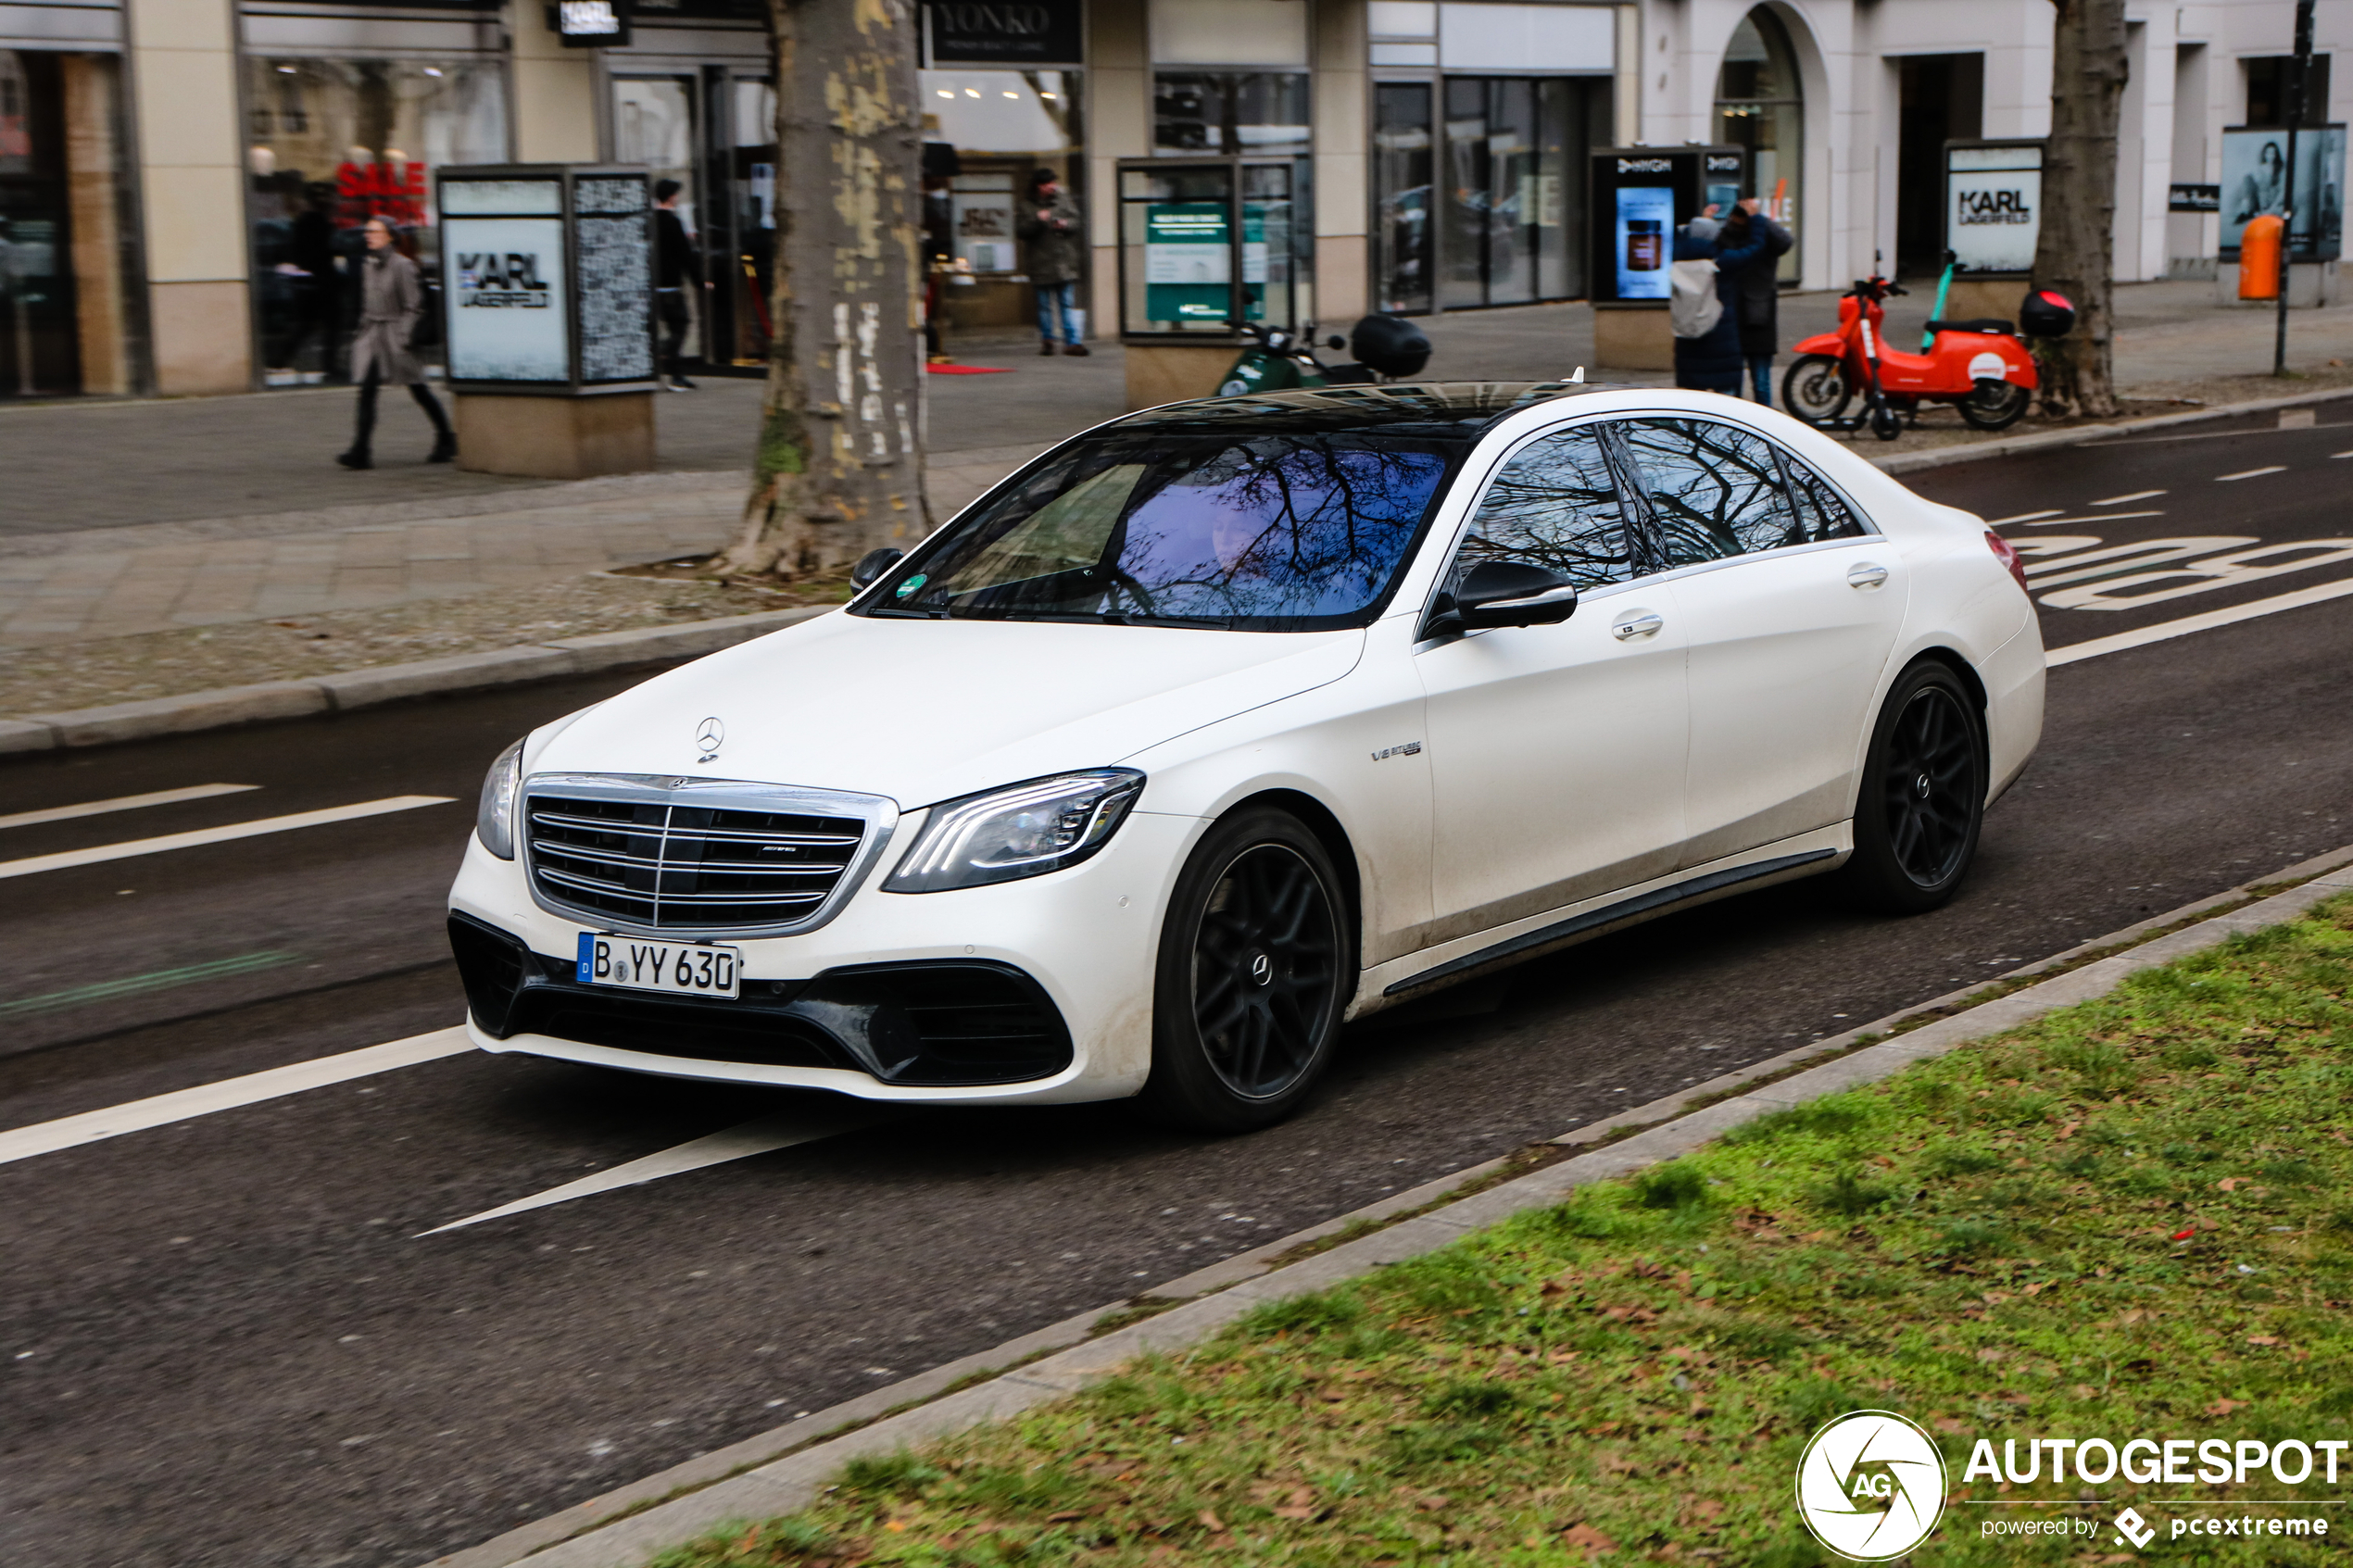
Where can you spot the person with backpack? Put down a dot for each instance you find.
(1705, 285)
(1759, 292)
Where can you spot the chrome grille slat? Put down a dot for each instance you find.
(664, 860)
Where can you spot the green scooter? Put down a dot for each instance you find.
(1279, 359)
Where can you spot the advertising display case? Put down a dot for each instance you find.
(1640, 196)
(1993, 206)
(546, 307)
(2255, 182)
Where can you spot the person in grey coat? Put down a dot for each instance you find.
(1759, 302)
(391, 298)
(1050, 224)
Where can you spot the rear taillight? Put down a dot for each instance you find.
(2008, 555)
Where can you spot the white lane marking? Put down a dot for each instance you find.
(2096, 517)
(139, 1115)
(806, 1125)
(2024, 517)
(100, 852)
(2119, 501)
(121, 803)
(2206, 622)
(2250, 473)
(2335, 455)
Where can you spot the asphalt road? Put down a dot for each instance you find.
(224, 1341)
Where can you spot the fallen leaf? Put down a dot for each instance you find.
(2231, 1184)
(1216, 1524)
(2224, 1407)
(2067, 1132)
(2131, 1316)
(1294, 1511)
(2184, 1235)
(1066, 1516)
(1946, 1423)
(2262, 1338)
(1589, 1538)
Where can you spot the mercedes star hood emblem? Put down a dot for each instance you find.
(708, 735)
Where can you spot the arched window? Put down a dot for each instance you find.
(1760, 106)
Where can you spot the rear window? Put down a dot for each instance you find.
(1235, 532)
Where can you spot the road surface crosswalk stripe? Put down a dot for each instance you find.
(99, 853)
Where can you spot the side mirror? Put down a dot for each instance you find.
(1497, 593)
(872, 565)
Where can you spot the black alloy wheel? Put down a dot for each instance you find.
(1994, 404)
(1922, 801)
(1816, 389)
(1256, 967)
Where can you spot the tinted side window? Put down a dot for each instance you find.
(1713, 491)
(1826, 512)
(1552, 504)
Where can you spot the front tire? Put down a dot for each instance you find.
(1257, 963)
(1922, 801)
(1816, 389)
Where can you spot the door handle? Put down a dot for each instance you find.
(1640, 626)
(1864, 574)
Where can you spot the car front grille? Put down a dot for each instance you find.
(656, 859)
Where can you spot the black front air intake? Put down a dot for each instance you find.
(939, 1024)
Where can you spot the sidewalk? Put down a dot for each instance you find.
(156, 521)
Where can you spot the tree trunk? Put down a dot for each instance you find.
(2075, 254)
(839, 467)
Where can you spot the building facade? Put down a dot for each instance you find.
(182, 182)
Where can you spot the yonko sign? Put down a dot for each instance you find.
(1871, 1487)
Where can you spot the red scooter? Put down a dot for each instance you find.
(1982, 367)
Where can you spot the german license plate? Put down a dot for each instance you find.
(689, 969)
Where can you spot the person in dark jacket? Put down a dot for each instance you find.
(1760, 294)
(676, 263)
(391, 298)
(1711, 362)
(1050, 223)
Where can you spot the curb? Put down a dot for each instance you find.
(550, 661)
(783, 1469)
(619, 650)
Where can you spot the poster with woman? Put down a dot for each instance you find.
(2254, 181)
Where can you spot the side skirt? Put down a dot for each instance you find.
(1608, 917)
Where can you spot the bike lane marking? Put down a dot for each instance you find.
(2164, 630)
(139, 1115)
(99, 853)
(121, 803)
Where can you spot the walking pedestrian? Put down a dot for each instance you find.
(675, 263)
(1049, 222)
(1759, 291)
(391, 300)
(1703, 309)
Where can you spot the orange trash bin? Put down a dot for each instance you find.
(2259, 257)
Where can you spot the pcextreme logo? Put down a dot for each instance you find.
(1870, 1486)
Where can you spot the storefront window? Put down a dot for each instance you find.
(1402, 167)
(1250, 112)
(336, 143)
(653, 124)
(1187, 241)
(987, 134)
(1761, 106)
(61, 282)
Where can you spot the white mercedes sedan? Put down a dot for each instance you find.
(1226, 722)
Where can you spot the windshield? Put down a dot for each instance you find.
(1291, 532)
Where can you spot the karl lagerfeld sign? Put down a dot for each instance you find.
(547, 279)
(1993, 205)
(1004, 33)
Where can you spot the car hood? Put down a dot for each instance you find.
(925, 710)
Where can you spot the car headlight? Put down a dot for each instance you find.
(494, 817)
(1022, 830)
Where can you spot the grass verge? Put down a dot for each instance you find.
(2128, 1219)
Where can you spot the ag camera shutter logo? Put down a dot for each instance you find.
(1870, 1486)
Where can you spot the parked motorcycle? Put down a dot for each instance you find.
(1981, 367)
(1276, 358)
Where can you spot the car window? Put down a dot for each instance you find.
(1552, 504)
(1712, 491)
(1260, 533)
(1825, 512)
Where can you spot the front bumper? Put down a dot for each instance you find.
(1030, 991)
